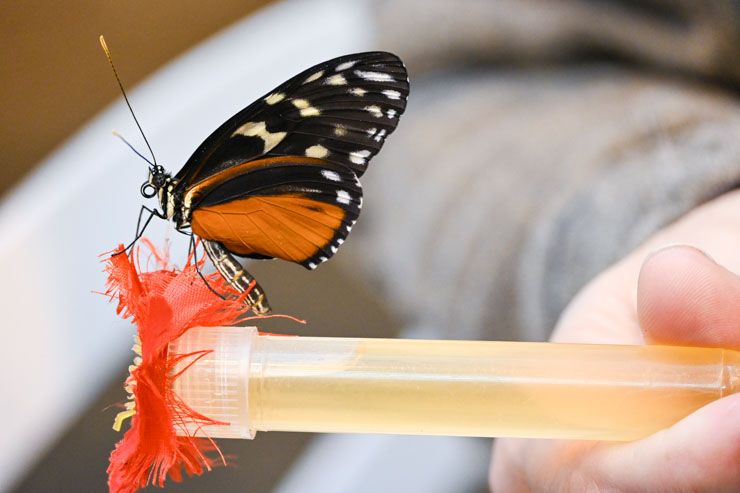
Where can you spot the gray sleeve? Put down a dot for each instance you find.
(506, 187)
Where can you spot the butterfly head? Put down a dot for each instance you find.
(157, 179)
(159, 184)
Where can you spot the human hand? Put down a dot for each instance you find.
(674, 295)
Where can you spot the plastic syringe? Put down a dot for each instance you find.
(465, 388)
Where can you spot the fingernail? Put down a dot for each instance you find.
(670, 246)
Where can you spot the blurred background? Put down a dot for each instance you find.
(52, 64)
(543, 140)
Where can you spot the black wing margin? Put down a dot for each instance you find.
(340, 111)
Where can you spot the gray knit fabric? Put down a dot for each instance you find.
(507, 187)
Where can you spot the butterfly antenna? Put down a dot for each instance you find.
(120, 85)
(132, 148)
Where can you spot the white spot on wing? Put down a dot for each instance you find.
(334, 249)
(391, 113)
(309, 190)
(345, 65)
(343, 197)
(359, 157)
(317, 151)
(340, 131)
(259, 129)
(311, 265)
(371, 131)
(357, 91)
(274, 98)
(380, 136)
(330, 175)
(335, 80)
(391, 94)
(374, 76)
(310, 111)
(314, 77)
(306, 108)
(374, 110)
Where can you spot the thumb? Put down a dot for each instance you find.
(684, 297)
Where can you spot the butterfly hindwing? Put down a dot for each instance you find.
(295, 208)
(339, 111)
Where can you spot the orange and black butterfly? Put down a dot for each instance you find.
(280, 178)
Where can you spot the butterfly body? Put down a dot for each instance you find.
(280, 179)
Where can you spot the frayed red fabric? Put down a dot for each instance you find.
(163, 304)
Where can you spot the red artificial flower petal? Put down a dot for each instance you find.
(164, 304)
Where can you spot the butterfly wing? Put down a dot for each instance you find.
(340, 111)
(294, 208)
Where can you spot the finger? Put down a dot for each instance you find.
(699, 453)
(684, 297)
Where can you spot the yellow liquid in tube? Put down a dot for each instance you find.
(483, 389)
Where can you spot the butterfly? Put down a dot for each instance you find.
(280, 179)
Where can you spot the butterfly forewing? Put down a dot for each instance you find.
(340, 111)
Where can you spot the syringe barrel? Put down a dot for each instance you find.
(467, 388)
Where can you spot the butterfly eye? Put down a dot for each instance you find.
(148, 190)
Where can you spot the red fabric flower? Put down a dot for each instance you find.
(163, 304)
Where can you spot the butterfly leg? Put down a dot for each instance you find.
(233, 272)
(192, 250)
(139, 229)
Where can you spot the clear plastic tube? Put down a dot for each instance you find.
(467, 388)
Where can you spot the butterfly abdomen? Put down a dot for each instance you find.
(241, 280)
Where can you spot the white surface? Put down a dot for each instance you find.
(62, 341)
(389, 464)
